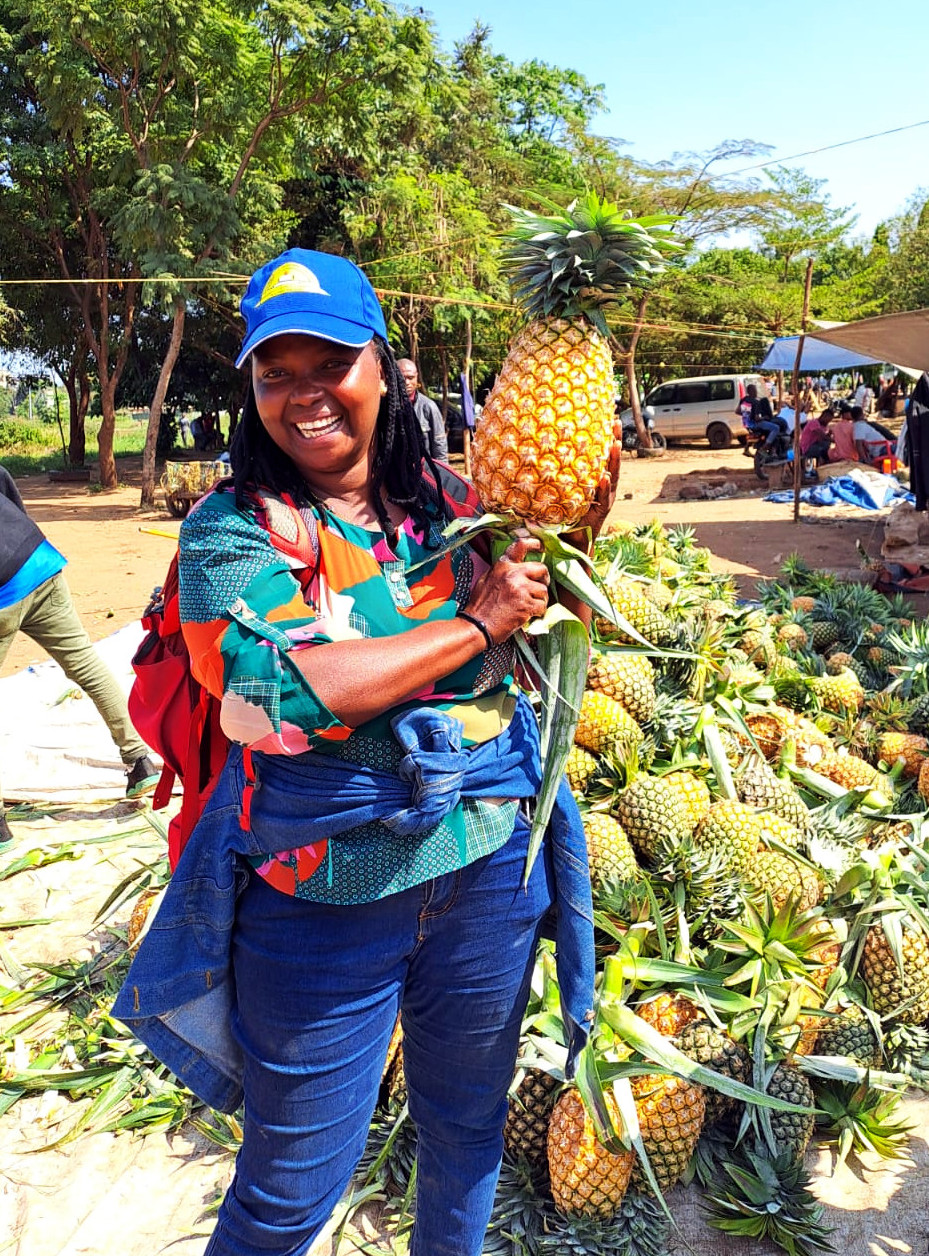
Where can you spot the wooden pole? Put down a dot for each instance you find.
(798, 469)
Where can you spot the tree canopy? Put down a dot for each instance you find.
(154, 155)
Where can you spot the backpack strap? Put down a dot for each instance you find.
(459, 494)
(292, 531)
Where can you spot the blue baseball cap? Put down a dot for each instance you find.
(310, 294)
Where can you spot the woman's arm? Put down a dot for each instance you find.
(361, 679)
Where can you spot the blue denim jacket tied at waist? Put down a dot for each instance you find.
(178, 995)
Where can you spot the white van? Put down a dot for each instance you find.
(703, 407)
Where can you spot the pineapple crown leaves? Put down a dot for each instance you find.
(769, 1198)
(913, 644)
(574, 261)
(774, 946)
(858, 1117)
(652, 1049)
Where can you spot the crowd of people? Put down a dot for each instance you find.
(838, 420)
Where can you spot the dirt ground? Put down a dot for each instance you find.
(114, 560)
(143, 1196)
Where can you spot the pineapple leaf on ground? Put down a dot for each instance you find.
(768, 1198)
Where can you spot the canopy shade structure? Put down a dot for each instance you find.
(902, 339)
(817, 355)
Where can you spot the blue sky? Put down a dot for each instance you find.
(683, 75)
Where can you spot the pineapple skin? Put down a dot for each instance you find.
(586, 1178)
(734, 830)
(671, 1113)
(609, 851)
(604, 723)
(628, 679)
(544, 438)
(792, 1130)
(703, 1042)
(525, 1135)
(783, 878)
(889, 987)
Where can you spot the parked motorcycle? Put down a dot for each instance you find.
(767, 458)
(630, 438)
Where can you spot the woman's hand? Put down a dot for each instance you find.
(514, 591)
(589, 528)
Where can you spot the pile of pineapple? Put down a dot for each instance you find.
(753, 781)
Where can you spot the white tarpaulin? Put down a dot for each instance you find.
(56, 747)
(902, 339)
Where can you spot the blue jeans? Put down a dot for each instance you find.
(771, 428)
(318, 989)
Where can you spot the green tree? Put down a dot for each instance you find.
(802, 223)
(905, 279)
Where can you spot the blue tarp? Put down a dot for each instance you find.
(869, 492)
(818, 356)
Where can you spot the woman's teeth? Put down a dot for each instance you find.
(318, 427)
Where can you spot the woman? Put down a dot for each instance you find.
(364, 854)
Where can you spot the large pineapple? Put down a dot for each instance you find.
(543, 441)
(671, 1112)
(734, 831)
(759, 786)
(586, 1178)
(580, 769)
(783, 878)
(652, 814)
(712, 1047)
(890, 988)
(694, 792)
(792, 1130)
(604, 725)
(609, 852)
(640, 612)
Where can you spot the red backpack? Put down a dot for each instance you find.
(171, 710)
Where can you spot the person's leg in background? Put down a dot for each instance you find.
(462, 1010)
(48, 616)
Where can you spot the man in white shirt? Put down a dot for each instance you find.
(870, 442)
(864, 397)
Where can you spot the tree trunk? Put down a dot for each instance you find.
(107, 462)
(641, 426)
(77, 386)
(642, 431)
(157, 403)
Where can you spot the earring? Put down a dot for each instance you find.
(383, 388)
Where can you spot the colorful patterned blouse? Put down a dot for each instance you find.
(245, 615)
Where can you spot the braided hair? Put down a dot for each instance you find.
(399, 452)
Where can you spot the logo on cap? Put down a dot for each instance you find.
(289, 278)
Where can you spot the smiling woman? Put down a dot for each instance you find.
(372, 810)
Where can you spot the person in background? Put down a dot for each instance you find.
(184, 429)
(870, 441)
(34, 599)
(843, 437)
(427, 412)
(864, 397)
(815, 437)
(757, 415)
(887, 401)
